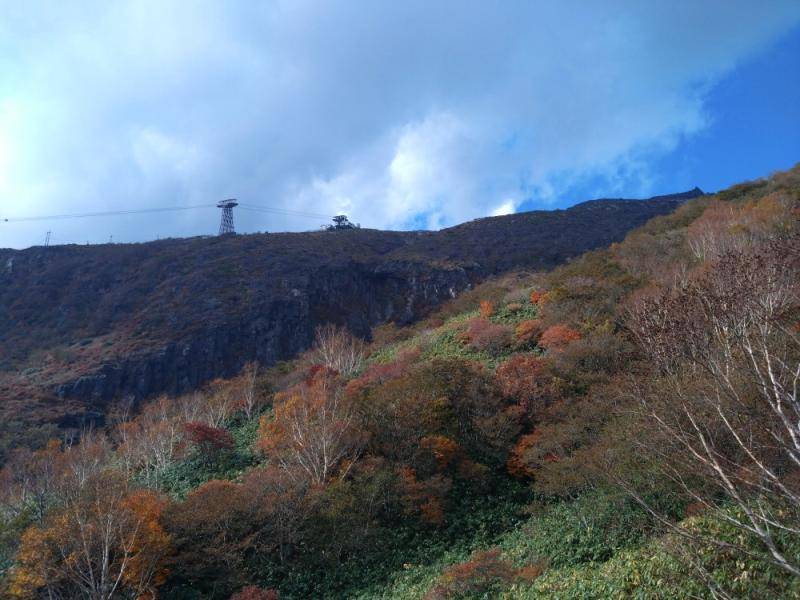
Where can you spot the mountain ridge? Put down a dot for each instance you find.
(83, 326)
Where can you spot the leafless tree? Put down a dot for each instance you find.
(150, 442)
(724, 396)
(249, 397)
(31, 479)
(338, 349)
(85, 457)
(219, 401)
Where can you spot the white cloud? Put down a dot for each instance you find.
(400, 114)
(8, 114)
(508, 207)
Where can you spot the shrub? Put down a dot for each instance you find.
(537, 296)
(484, 574)
(486, 309)
(528, 454)
(531, 572)
(424, 498)
(528, 331)
(210, 530)
(441, 448)
(377, 373)
(483, 335)
(525, 379)
(513, 307)
(555, 338)
(473, 472)
(208, 440)
(252, 592)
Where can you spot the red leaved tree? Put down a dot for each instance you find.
(486, 309)
(525, 379)
(483, 335)
(209, 441)
(485, 574)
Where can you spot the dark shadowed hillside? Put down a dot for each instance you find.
(83, 326)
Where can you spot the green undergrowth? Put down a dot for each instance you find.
(661, 567)
(446, 340)
(595, 547)
(184, 475)
(565, 535)
(405, 555)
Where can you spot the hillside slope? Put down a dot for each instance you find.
(496, 448)
(81, 326)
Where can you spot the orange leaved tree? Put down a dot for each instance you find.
(314, 430)
(555, 338)
(106, 541)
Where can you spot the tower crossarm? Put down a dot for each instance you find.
(226, 222)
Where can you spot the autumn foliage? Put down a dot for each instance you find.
(314, 432)
(106, 541)
(378, 373)
(663, 369)
(536, 296)
(528, 331)
(208, 440)
(424, 498)
(483, 335)
(555, 338)
(525, 378)
(441, 448)
(252, 592)
(486, 309)
(485, 574)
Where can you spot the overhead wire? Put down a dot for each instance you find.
(244, 206)
(108, 213)
(284, 211)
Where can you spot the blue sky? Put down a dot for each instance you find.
(754, 127)
(402, 115)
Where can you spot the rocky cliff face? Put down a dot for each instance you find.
(82, 326)
(356, 296)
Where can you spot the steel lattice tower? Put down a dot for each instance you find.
(226, 223)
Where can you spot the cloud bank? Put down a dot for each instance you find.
(400, 114)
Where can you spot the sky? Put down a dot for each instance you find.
(402, 115)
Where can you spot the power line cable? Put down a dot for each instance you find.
(250, 207)
(283, 211)
(104, 213)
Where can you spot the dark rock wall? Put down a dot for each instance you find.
(354, 295)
